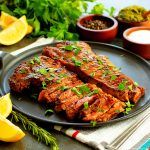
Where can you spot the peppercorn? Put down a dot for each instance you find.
(96, 24)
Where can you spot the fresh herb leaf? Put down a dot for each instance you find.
(96, 91)
(85, 59)
(100, 67)
(62, 75)
(99, 62)
(44, 85)
(86, 105)
(77, 50)
(76, 62)
(128, 108)
(58, 81)
(92, 74)
(84, 88)
(22, 71)
(64, 88)
(31, 62)
(113, 77)
(52, 75)
(122, 85)
(136, 84)
(43, 71)
(49, 112)
(69, 47)
(130, 87)
(93, 123)
(76, 91)
(37, 59)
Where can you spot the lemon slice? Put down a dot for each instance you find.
(5, 105)
(6, 20)
(9, 132)
(15, 32)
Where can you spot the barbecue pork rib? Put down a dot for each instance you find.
(64, 90)
(79, 58)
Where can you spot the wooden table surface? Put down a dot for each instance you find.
(65, 143)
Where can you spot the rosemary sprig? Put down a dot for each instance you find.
(41, 134)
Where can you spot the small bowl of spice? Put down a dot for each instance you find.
(133, 16)
(97, 28)
(137, 39)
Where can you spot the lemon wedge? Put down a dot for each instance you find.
(9, 132)
(5, 105)
(6, 20)
(15, 32)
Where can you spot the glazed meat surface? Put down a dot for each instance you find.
(63, 89)
(79, 58)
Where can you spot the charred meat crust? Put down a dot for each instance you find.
(96, 70)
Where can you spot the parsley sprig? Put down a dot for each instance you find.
(52, 18)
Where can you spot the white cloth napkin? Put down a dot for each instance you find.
(96, 136)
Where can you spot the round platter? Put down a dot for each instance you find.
(131, 64)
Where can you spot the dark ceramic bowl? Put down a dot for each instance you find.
(105, 35)
(123, 25)
(141, 49)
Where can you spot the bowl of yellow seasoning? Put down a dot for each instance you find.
(137, 40)
(133, 16)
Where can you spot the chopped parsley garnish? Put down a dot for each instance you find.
(129, 107)
(130, 87)
(50, 78)
(86, 105)
(74, 48)
(77, 50)
(122, 85)
(58, 81)
(92, 74)
(84, 88)
(85, 59)
(113, 77)
(100, 67)
(68, 47)
(76, 91)
(62, 75)
(93, 92)
(52, 75)
(136, 84)
(37, 59)
(31, 62)
(22, 71)
(93, 123)
(44, 85)
(76, 62)
(99, 61)
(64, 88)
(49, 112)
(106, 72)
(43, 71)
